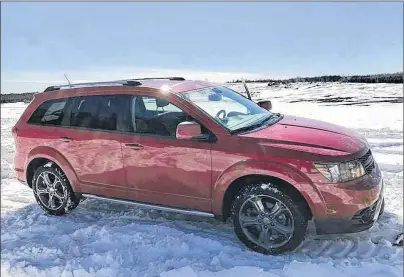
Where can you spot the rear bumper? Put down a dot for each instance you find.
(20, 176)
(362, 220)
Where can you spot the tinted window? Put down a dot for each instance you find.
(50, 112)
(95, 112)
(150, 115)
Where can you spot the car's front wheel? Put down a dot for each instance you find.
(268, 220)
(52, 191)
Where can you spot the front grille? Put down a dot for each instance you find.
(367, 162)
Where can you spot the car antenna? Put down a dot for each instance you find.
(68, 81)
(246, 89)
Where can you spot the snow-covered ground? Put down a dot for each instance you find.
(104, 239)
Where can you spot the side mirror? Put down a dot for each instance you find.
(266, 104)
(188, 130)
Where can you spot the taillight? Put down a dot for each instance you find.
(14, 131)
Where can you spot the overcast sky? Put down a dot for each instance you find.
(219, 41)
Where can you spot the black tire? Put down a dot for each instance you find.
(70, 201)
(296, 210)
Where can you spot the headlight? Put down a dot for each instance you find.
(341, 172)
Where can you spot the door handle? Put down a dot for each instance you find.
(135, 146)
(65, 139)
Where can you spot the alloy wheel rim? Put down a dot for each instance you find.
(266, 221)
(50, 190)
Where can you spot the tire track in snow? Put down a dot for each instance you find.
(353, 249)
(346, 248)
(317, 250)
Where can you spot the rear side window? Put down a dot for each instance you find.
(50, 112)
(95, 112)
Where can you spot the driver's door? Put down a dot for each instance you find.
(159, 168)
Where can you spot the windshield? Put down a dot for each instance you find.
(227, 107)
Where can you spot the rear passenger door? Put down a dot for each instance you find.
(90, 140)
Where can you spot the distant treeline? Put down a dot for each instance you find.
(392, 78)
(17, 97)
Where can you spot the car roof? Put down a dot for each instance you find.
(170, 85)
(176, 86)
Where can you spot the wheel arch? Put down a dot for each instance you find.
(32, 166)
(42, 155)
(284, 176)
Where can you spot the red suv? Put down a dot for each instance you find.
(197, 148)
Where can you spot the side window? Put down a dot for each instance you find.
(95, 112)
(150, 115)
(50, 112)
(152, 104)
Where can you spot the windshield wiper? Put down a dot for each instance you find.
(256, 125)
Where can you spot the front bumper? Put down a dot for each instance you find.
(360, 221)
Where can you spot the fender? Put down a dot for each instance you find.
(56, 157)
(273, 169)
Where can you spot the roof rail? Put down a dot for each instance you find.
(89, 84)
(161, 78)
(129, 82)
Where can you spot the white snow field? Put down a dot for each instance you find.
(104, 239)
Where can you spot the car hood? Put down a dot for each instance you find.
(308, 135)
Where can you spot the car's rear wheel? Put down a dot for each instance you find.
(268, 220)
(52, 191)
